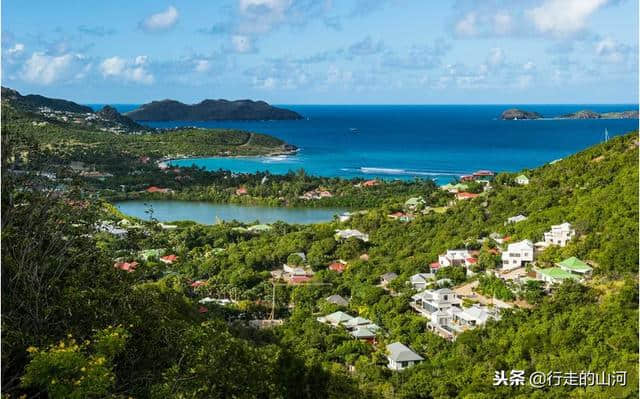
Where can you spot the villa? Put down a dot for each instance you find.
(349, 233)
(386, 278)
(575, 266)
(401, 357)
(428, 302)
(241, 191)
(338, 267)
(456, 257)
(554, 275)
(522, 180)
(169, 259)
(483, 174)
(337, 300)
(517, 254)
(464, 195)
(516, 219)
(413, 203)
(335, 319)
(419, 281)
(559, 234)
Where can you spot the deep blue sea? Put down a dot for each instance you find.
(407, 141)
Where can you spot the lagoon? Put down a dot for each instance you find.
(209, 213)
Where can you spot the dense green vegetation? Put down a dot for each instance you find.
(76, 326)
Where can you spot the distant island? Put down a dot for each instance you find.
(211, 110)
(515, 114)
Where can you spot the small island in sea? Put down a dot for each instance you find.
(211, 110)
(515, 114)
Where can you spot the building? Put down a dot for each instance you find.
(168, 259)
(575, 266)
(464, 195)
(559, 234)
(348, 233)
(337, 300)
(431, 301)
(241, 191)
(456, 257)
(485, 174)
(338, 267)
(335, 319)
(419, 281)
(554, 275)
(401, 357)
(413, 203)
(386, 278)
(517, 254)
(522, 180)
(516, 219)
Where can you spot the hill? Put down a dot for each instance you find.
(210, 110)
(33, 102)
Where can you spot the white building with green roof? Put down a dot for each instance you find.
(522, 180)
(553, 275)
(575, 266)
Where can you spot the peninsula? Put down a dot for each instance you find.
(210, 110)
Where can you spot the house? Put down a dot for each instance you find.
(241, 191)
(335, 319)
(517, 254)
(575, 266)
(338, 267)
(299, 279)
(126, 266)
(472, 317)
(464, 195)
(168, 259)
(344, 217)
(401, 357)
(522, 180)
(168, 226)
(198, 283)
(154, 189)
(414, 202)
(108, 227)
(430, 301)
(466, 178)
(294, 270)
(337, 300)
(497, 237)
(454, 188)
(559, 234)
(348, 233)
(364, 333)
(553, 275)
(387, 278)
(419, 281)
(516, 219)
(483, 174)
(370, 183)
(259, 228)
(357, 322)
(456, 257)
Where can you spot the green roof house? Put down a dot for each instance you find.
(554, 275)
(522, 180)
(575, 265)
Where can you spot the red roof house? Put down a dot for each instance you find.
(202, 309)
(370, 183)
(465, 195)
(154, 189)
(126, 266)
(241, 191)
(198, 283)
(168, 259)
(483, 173)
(466, 178)
(434, 265)
(299, 279)
(337, 267)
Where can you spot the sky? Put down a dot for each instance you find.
(324, 51)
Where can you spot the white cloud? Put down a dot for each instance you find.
(241, 43)
(161, 21)
(467, 25)
(202, 66)
(116, 67)
(611, 51)
(502, 23)
(16, 49)
(496, 57)
(563, 17)
(45, 69)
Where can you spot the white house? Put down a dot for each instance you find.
(517, 254)
(401, 357)
(335, 319)
(559, 234)
(522, 180)
(419, 281)
(516, 219)
(337, 300)
(455, 257)
(348, 233)
(430, 301)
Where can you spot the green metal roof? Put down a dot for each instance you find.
(557, 274)
(574, 264)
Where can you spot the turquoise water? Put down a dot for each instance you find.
(210, 213)
(406, 141)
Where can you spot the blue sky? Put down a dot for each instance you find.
(324, 51)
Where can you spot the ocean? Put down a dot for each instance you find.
(407, 141)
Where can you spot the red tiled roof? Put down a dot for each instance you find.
(126, 266)
(370, 183)
(337, 267)
(483, 173)
(169, 258)
(241, 191)
(465, 195)
(198, 283)
(434, 265)
(202, 309)
(299, 279)
(472, 260)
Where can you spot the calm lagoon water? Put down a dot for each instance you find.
(210, 213)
